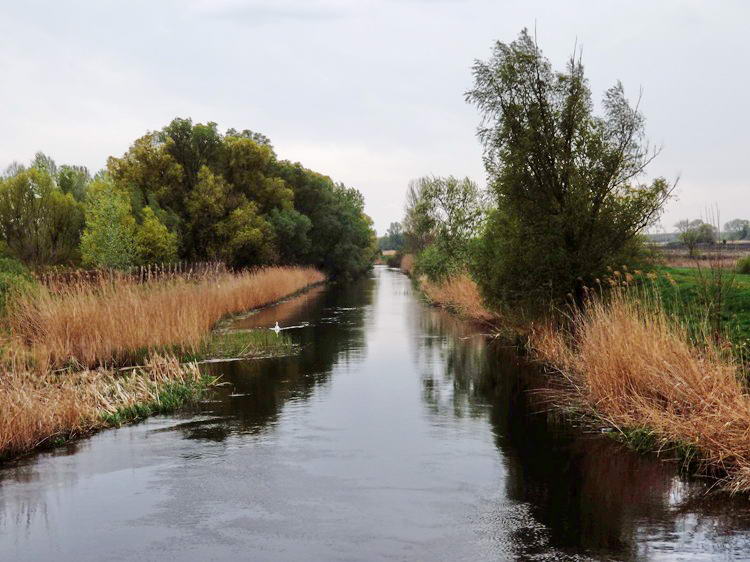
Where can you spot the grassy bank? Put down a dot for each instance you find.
(663, 382)
(44, 410)
(635, 368)
(113, 323)
(58, 378)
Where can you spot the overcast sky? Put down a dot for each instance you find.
(369, 92)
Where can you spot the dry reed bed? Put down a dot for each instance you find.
(407, 264)
(91, 324)
(459, 294)
(633, 366)
(39, 409)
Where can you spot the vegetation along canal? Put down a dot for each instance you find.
(395, 432)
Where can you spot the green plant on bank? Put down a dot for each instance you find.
(170, 397)
(644, 440)
(743, 265)
(241, 343)
(14, 279)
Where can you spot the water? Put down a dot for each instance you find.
(397, 433)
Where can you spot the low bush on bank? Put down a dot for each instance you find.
(743, 265)
(15, 278)
(632, 365)
(111, 323)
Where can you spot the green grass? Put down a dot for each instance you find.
(171, 397)
(219, 344)
(684, 298)
(643, 440)
(245, 343)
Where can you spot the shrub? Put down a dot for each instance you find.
(14, 278)
(743, 265)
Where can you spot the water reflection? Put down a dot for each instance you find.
(397, 432)
(591, 495)
(333, 332)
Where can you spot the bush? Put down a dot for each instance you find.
(14, 278)
(435, 264)
(394, 260)
(743, 265)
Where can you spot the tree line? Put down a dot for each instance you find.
(567, 198)
(185, 192)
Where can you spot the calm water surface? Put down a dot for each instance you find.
(397, 433)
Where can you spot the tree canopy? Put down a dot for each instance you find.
(185, 192)
(568, 184)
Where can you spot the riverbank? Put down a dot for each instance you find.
(627, 364)
(120, 322)
(59, 376)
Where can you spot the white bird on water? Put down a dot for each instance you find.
(276, 328)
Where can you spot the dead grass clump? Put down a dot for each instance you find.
(92, 324)
(636, 367)
(459, 294)
(407, 264)
(43, 409)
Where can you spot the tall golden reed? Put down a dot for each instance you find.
(38, 408)
(635, 366)
(459, 294)
(101, 323)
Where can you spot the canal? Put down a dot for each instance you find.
(395, 432)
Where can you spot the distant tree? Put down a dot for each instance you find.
(444, 214)
(393, 238)
(155, 243)
(110, 236)
(567, 183)
(692, 233)
(738, 229)
(39, 223)
(73, 180)
(228, 197)
(259, 138)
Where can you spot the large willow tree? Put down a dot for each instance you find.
(569, 185)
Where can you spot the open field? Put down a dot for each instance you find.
(683, 296)
(724, 254)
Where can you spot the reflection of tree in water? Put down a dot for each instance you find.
(590, 492)
(451, 358)
(268, 385)
(259, 389)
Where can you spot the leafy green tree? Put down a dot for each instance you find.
(738, 229)
(39, 223)
(291, 229)
(155, 243)
(110, 236)
(445, 213)
(73, 180)
(393, 238)
(343, 241)
(568, 183)
(228, 197)
(692, 233)
(247, 237)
